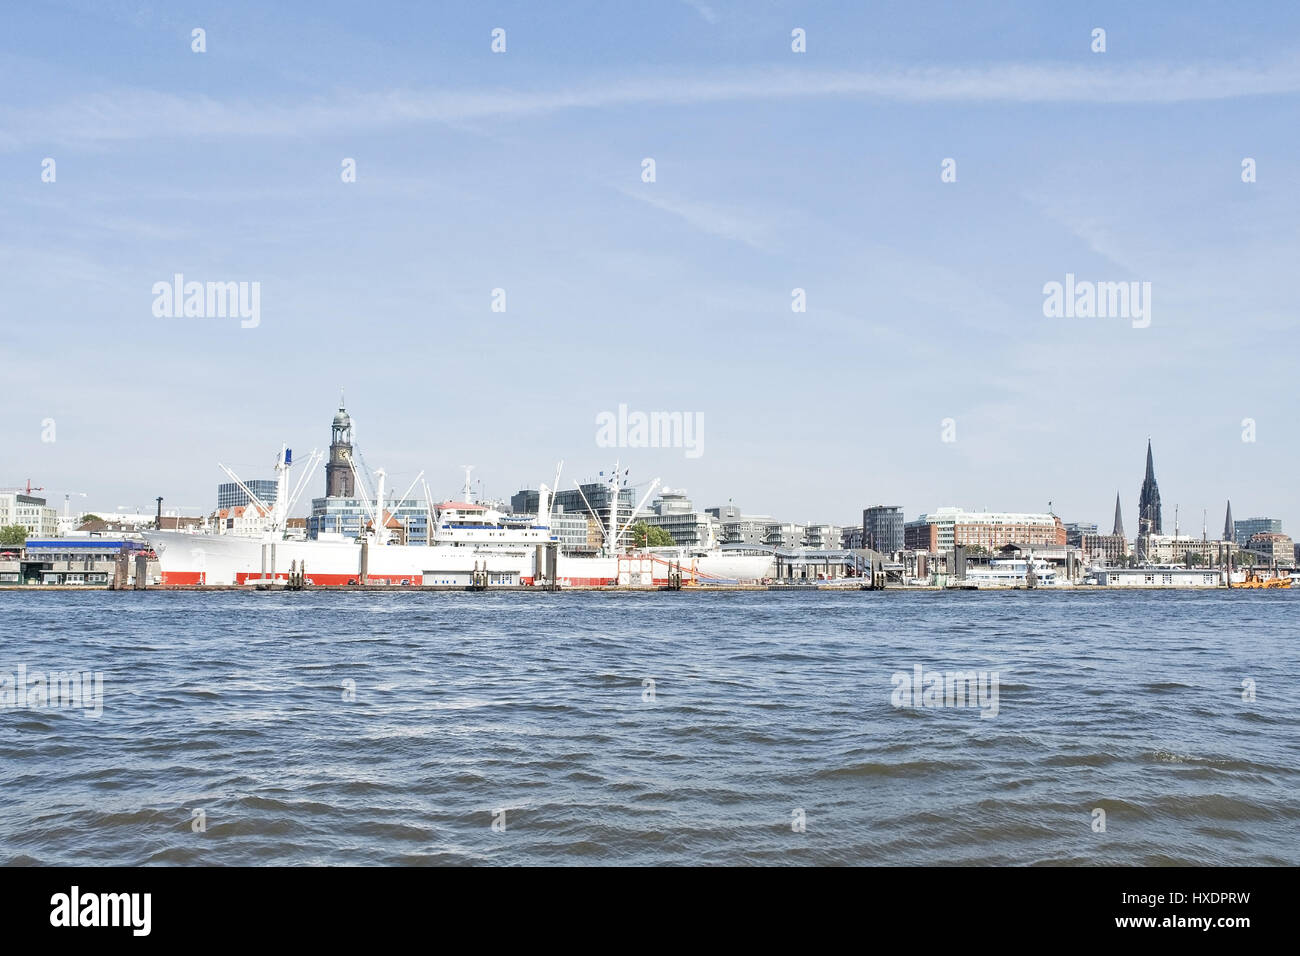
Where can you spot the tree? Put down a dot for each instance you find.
(86, 518)
(644, 536)
(14, 535)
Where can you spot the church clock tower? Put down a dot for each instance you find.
(338, 473)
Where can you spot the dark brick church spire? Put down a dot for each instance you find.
(1149, 500)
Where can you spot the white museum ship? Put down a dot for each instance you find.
(468, 543)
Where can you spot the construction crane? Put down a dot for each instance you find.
(28, 491)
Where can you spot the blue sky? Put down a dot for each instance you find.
(775, 170)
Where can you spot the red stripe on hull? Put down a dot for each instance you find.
(192, 578)
(334, 580)
(182, 577)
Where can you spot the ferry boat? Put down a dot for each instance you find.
(470, 544)
(1012, 573)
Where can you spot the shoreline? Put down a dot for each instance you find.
(619, 589)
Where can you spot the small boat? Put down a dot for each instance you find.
(1254, 580)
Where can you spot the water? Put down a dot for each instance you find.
(764, 705)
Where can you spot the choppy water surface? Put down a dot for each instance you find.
(764, 705)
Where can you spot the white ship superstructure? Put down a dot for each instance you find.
(1012, 573)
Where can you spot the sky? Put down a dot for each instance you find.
(924, 372)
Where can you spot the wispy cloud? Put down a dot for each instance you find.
(703, 9)
(709, 217)
(145, 114)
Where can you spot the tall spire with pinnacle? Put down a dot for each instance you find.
(1229, 529)
(1119, 522)
(1149, 499)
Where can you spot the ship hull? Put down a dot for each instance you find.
(224, 560)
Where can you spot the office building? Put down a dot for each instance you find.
(674, 512)
(573, 532)
(783, 534)
(1244, 529)
(1075, 530)
(1184, 549)
(822, 537)
(407, 520)
(230, 495)
(745, 531)
(882, 528)
(946, 528)
(593, 499)
(30, 513)
(1269, 547)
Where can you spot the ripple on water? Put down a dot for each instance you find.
(766, 705)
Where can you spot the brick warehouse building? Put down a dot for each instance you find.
(946, 528)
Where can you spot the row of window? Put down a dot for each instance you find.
(75, 556)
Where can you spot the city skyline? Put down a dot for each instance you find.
(334, 480)
(775, 171)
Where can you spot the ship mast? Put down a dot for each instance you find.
(612, 538)
(428, 513)
(313, 460)
(654, 485)
(546, 498)
(381, 526)
(550, 500)
(398, 504)
(362, 496)
(590, 510)
(282, 466)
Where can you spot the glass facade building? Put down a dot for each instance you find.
(347, 516)
(1246, 527)
(230, 495)
(882, 528)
